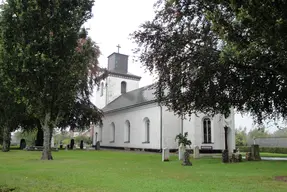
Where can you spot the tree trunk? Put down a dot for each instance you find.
(6, 139)
(46, 154)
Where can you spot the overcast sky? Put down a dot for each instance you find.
(111, 25)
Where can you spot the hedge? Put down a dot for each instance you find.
(265, 149)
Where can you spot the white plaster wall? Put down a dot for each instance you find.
(231, 132)
(171, 127)
(188, 126)
(112, 89)
(114, 86)
(96, 98)
(137, 127)
(217, 131)
(195, 127)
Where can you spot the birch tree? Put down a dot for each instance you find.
(50, 63)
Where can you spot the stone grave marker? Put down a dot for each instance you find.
(82, 144)
(196, 154)
(22, 144)
(98, 145)
(72, 143)
(165, 154)
(181, 151)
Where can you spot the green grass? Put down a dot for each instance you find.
(112, 171)
(272, 155)
(263, 154)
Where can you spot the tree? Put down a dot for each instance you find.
(212, 55)
(28, 136)
(11, 114)
(280, 133)
(86, 139)
(241, 136)
(257, 133)
(48, 61)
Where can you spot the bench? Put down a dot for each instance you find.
(206, 147)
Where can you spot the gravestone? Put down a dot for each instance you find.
(165, 154)
(82, 144)
(22, 144)
(181, 151)
(255, 154)
(196, 154)
(225, 156)
(72, 143)
(98, 145)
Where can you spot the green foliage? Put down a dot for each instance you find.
(1, 136)
(280, 133)
(281, 150)
(29, 137)
(182, 139)
(60, 137)
(49, 64)
(86, 139)
(240, 137)
(212, 55)
(258, 132)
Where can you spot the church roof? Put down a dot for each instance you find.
(114, 72)
(128, 74)
(131, 99)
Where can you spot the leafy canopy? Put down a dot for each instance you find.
(212, 55)
(50, 63)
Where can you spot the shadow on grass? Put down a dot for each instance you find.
(6, 189)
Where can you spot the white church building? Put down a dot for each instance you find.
(134, 120)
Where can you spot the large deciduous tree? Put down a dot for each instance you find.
(48, 61)
(216, 54)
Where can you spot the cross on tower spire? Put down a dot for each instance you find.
(118, 46)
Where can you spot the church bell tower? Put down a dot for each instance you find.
(117, 80)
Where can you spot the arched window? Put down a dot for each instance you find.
(123, 87)
(102, 88)
(113, 133)
(127, 131)
(147, 130)
(206, 130)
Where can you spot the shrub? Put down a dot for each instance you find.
(265, 149)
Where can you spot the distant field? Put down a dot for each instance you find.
(113, 171)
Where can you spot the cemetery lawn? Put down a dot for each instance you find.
(118, 171)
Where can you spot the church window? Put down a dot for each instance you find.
(206, 130)
(127, 132)
(102, 88)
(123, 87)
(113, 131)
(147, 130)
